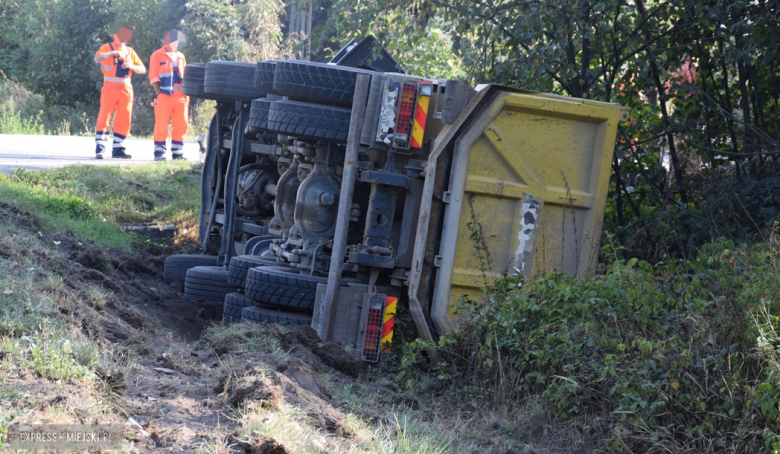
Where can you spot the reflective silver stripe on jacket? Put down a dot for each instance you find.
(161, 75)
(107, 68)
(116, 79)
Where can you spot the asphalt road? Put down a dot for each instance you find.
(47, 152)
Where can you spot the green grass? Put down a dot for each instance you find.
(93, 201)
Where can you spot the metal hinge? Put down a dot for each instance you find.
(447, 197)
(437, 261)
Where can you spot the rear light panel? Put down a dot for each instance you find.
(377, 325)
(398, 112)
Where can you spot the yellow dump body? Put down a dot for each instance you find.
(526, 194)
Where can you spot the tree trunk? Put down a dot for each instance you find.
(746, 118)
(678, 176)
(727, 93)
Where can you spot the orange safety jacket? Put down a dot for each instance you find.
(167, 71)
(112, 67)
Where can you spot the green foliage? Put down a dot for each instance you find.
(238, 31)
(11, 122)
(59, 62)
(676, 357)
(24, 112)
(425, 51)
(738, 208)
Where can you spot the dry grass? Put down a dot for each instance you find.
(50, 371)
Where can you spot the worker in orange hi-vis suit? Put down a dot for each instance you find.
(166, 69)
(117, 62)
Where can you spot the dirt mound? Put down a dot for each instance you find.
(260, 445)
(139, 295)
(329, 353)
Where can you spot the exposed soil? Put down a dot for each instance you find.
(181, 399)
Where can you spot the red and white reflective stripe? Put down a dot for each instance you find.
(388, 323)
(421, 114)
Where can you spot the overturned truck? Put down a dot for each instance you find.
(333, 194)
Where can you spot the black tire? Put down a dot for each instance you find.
(192, 84)
(228, 79)
(234, 304)
(176, 266)
(313, 121)
(239, 299)
(264, 76)
(262, 314)
(240, 266)
(317, 81)
(258, 115)
(231, 313)
(207, 282)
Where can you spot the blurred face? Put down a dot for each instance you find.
(123, 35)
(172, 40)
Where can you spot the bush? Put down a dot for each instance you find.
(23, 112)
(11, 122)
(676, 357)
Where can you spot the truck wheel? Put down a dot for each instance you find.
(313, 121)
(284, 287)
(281, 288)
(264, 76)
(241, 264)
(258, 115)
(229, 80)
(208, 283)
(317, 81)
(176, 266)
(231, 314)
(234, 304)
(192, 84)
(261, 314)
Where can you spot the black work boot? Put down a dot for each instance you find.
(119, 153)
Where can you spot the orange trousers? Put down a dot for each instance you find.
(170, 109)
(115, 96)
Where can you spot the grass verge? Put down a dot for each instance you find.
(93, 202)
(50, 370)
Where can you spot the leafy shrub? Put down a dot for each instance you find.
(728, 206)
(680, 356)
(11, 122)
